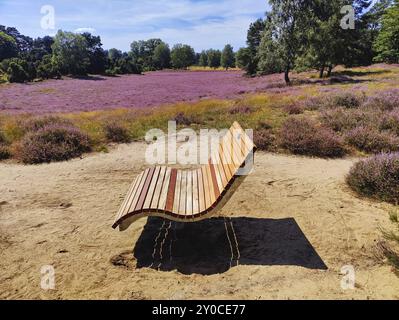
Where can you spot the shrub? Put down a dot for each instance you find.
(37, 123)
(115, 132)
(341, 119)
(186, 120)
(377, 177)
(294, 108)
(371, 140)
(385, 100)
(390, 121)
(4, 152)
(53, 143)
(264, 139)
(16, 73)
(304, 136)
(241, 110)
(346, 99)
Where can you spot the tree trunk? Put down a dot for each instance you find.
(287, 76)
(330, 68)
(321, 72)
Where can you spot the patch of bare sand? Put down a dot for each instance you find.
(292, 217)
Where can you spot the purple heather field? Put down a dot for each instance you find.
(131, 91)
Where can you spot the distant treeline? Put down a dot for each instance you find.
(25, 59)
(302, 34)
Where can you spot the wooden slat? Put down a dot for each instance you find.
(171, 192)
(227, 159)
(228, 152)
(239, 143)
(201, 194)
(247, 140)
(227, 168)
(151, 190)
(237, 153)
(210, 185)
(133, 203)
(165, 189)
(122, 209)
(176, 201)
(214, 181)
(183, 194)
(218, 175)
(231, 151)
(221, 171)
(158, 188)
(144, 191)
(195, 192)
(189, 195)
(207, 197)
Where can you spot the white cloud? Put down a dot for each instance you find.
(83, 30)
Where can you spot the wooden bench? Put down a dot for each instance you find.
(189, 195)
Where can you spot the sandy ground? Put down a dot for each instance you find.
(295, 221)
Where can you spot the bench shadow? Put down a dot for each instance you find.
(210, 246)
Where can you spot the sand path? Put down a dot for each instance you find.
(292, 217)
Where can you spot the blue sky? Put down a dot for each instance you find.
(201, 23)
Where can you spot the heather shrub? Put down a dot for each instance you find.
(115, 132)
(37, 123)
(264, 139)
(385, 100)
(390, 121)
(346, 99)
(371, 140)
(294, 108)
(4, 152)
(377, 177)
(304, 136)
(183, 119)
(241, 110)
(341, 119)
(53, 143)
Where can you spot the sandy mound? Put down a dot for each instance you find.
(295, 222)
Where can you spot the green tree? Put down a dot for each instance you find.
(142, 53)
(254, 38)
(16, 73)
(182, 56)
(268, 55)
(8, 46)
(97, 55)
(228, 57)
(387, 42)
(162, 56)
(289, 20)
(214, 58)
(70, 53)
(243, 58)
(203, 60)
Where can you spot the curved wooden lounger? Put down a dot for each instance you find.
(189, 195)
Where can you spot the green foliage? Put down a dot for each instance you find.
(70, 53)
(387, 42)
(182, 56)
(228, 58)
(243, 58)
(47, 69)
(161, 56)
(142, 53)
(214, 58)
(16, 73)
(203, 59)
(8, 46)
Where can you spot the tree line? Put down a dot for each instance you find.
(25, 59)
(302, 35)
